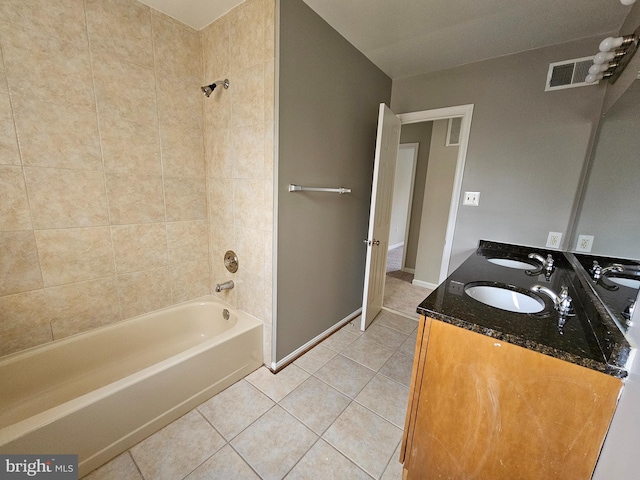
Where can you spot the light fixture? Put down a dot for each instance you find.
(627, 2)
(614, 55)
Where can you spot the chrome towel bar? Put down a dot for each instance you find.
(298, 188)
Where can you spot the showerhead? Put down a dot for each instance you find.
(208, 89)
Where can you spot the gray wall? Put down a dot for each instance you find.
(417, 133)
(527, 147)
(329, 95)
(436, 203)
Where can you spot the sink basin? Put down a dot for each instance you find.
(625, 282)
(507, 262)
(505, 298)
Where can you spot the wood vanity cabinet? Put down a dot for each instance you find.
(480, 408)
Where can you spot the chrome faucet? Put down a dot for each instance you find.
(561, 302)
(224, 286)
(547, 263)
(597, 271)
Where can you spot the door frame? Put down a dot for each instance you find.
(466, 113)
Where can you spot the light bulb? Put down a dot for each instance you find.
(627, 2)
(596, 69)
(591, 78)
(610, 43)
(603, 57)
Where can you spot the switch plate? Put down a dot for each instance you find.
(585, 242)
(471, 198)
(553, 240)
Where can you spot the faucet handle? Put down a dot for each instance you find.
(596, 270)
(564, 301)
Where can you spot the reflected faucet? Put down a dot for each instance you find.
(597, 271)
(599, 274)
(228, 285)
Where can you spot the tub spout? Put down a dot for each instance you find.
(224, 286)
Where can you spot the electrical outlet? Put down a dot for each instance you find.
(585, 242)
(457, 288)
(553, 240)
(471, 198)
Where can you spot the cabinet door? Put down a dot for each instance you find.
(491, 410)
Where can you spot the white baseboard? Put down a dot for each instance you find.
(314, 341)
(391, 247)
(420, 283)
(409, 270)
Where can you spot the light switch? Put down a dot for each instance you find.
(471, 198)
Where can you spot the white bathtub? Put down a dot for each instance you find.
(98, 393)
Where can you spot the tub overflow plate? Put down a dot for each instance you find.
(231, 261)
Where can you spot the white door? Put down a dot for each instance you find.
(377, 241)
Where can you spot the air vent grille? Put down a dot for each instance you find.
(569, 74)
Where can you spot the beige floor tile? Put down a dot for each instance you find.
(394, 469)
(315, 358)
(235, 408)
(340, 340)
(397, 322)
(120, 468)
(408, 347)
(365, 438)
(224, 465)
(354, 326)
(177, 449)
(345, 375)
(315, 404)
(401, 295)
(274, 443)
(398, 368)
(277, 386)
(369, 354)
(385, 336)
(386, 398)
(325, 462)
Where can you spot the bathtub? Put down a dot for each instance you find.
(98, 393)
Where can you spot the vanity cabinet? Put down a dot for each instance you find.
(481, 408)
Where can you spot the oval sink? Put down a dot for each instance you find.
(625, 282)
(509, 263)
(505, 299)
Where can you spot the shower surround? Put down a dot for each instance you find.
(122, 185)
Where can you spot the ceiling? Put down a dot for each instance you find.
(410, 37)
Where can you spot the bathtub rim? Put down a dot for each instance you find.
(12, 357)
(245, 323)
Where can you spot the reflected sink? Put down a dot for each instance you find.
(505, 298)
(507, 262)
(625, 282)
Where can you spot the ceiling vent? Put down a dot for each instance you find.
(569, 74)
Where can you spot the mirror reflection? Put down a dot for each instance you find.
(609, 221)
(609, 210)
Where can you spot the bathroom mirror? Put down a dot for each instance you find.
(609, 208)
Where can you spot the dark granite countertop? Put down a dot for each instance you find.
(588, 338)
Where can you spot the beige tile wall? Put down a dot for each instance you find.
(103, 208)
(239, 154)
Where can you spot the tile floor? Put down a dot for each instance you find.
(337, 412)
